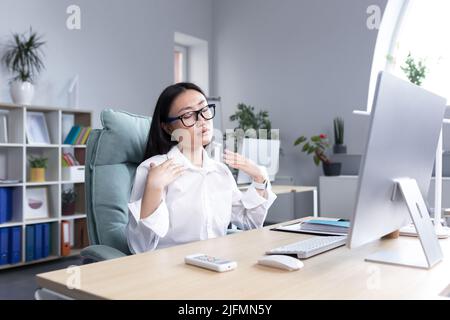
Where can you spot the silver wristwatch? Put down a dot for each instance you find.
(260, 186)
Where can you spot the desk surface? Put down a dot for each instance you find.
(337, 274)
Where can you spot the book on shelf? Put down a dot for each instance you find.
(77, 135)
(15, 245)
(10, 245)
(3, 246)
(68, 160)
(37, 241)
(65, 238)
(6, 204)
(81, 234)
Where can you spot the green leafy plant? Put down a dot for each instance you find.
(416, 71)
(38, 162)
(248, 119)
(338, 131)
(68, 196)
(316, 145)
(23, 56)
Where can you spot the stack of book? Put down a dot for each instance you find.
(321, 226)
(78, 135)
(37, 241)
(68, 160)
(326, 226)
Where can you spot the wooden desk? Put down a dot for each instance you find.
(337, 274)
(282, 189)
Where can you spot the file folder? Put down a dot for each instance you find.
(15, 245)
(38, 241)
(29, 243)
(3, 246)
(5, 204)
(65, 238)
(46, 240)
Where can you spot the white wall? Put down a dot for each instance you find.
(123, 52)
(305, 62)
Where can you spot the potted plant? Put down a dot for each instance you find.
(247, 119)
(38, 166)
(23, 58)
(339, 146)
(415, 71)
(68, 199)
(318, 146)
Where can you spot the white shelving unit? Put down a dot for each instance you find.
(14, 166)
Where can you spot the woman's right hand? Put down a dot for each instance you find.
(162, 175)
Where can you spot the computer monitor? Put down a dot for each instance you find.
(264, 152)
(396, 168)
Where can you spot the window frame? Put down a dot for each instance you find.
(184, 50)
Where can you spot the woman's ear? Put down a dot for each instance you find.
(166, 128)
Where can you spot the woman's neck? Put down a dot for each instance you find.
(195, 155)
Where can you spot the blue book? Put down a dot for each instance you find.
(77, 133)
(29, 243)
(38, 241)
(15, 245)
(3, 206)
(3, 246)
(6, 204)
(46, 240)
(9, 202)
(70, 135)
(334, 223)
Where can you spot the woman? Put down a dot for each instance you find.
(180, 194)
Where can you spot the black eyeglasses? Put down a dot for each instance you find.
(189, 119)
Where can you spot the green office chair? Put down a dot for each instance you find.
(112, 156)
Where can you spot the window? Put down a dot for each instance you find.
(180, 63)
(191, 60)
(424, 33)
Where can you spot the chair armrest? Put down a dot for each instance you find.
(98, 253)
(233, 231)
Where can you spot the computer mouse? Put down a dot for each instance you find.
(281, 262)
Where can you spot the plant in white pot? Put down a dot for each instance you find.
(23, 58)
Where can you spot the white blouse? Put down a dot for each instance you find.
(198, 205)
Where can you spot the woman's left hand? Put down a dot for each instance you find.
(237, 161)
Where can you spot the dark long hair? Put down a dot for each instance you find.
(159, 141)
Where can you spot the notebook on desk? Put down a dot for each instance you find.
(337, 227)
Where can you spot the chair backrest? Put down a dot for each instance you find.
(112, 156)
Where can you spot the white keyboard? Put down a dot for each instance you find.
(310, 247)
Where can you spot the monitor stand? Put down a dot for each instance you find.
(411, 257)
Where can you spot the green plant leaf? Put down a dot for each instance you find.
(300, 140)
(316, 160)
(306, 147)
(311, 149)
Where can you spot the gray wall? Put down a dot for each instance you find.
(305, 62)
(123, 52)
